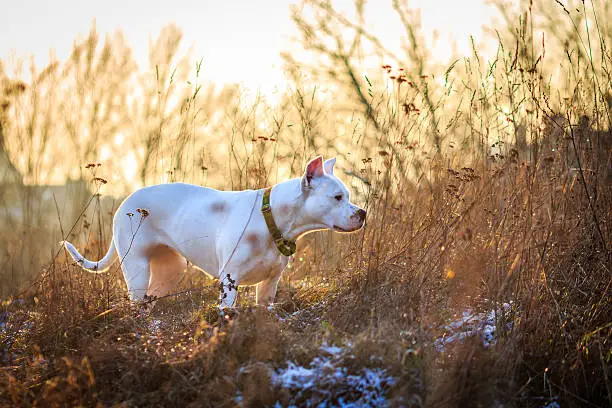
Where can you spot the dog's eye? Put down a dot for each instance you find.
(338, 197)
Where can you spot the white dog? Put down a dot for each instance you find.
(241, 237)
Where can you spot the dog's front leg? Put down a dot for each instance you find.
(266, 290)
(229, 289)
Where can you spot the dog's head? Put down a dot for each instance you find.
(327, 199)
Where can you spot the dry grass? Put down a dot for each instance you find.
(489, 189)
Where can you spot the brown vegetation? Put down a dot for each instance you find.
(489, 190)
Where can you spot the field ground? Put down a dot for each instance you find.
(442, 320)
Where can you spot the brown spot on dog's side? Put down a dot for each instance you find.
(254, 241)
(218, 206)
(167, 267)
(158, 249)
(284, 209)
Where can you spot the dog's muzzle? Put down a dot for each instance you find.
(357, 221)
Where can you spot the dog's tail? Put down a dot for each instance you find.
(94, 267)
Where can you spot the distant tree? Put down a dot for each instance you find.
(8, 90)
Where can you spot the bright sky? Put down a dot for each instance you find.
(239, 40)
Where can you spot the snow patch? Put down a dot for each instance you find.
(471, 324)
(155, 326)
(327, 383)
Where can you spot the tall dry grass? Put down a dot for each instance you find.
(487, 182)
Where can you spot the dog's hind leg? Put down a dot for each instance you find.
(167, 266)
(137, 275)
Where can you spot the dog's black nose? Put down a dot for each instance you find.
(361, 213)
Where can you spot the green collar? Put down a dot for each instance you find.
(285, 246)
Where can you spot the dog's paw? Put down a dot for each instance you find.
(227, 314)
(145, 306)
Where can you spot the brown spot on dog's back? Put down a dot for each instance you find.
(218, 206)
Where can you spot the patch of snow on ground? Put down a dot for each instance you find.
(4, 316)
(4, 354)
(473, 324)
(326, 383)
(11, 331)
(155, 326)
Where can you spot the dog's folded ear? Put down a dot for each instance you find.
(314, 169)
(329, 165)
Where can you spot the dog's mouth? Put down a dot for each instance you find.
(340, 229)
